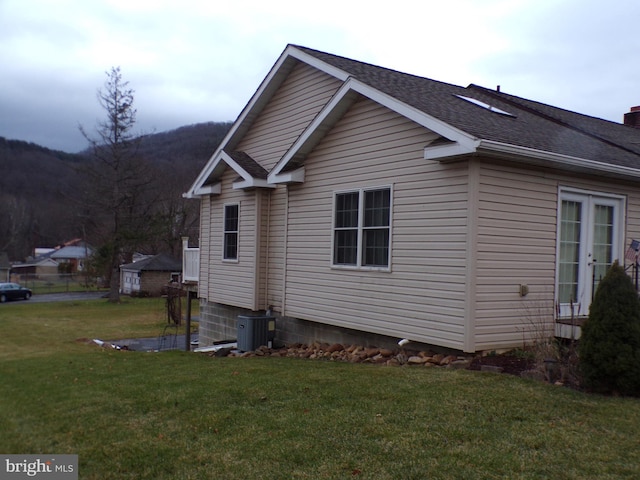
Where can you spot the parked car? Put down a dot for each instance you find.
(13, 291)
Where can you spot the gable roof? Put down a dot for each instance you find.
(157, 263)
(251, 173)
(469, 120)
(71, 252)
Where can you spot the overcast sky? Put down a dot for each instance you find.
(197, 61)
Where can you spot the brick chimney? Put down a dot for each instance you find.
(633, 117)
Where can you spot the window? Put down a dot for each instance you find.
(230, 247)
(362, 228)
(589, 236)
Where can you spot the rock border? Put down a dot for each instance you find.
(353, 354)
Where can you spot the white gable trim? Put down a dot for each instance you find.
(316, 63)
(278, 73)
(339, 104)
(222, 157)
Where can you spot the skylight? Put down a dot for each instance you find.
(491, 108)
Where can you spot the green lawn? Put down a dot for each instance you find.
(183, 415)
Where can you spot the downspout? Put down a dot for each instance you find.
(284, 251)
(266, 262)
(473, 176)
(256, 239)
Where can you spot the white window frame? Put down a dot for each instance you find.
(225, 232)
(585, 278)
(360, 235)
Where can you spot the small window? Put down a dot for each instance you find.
(362, 228)
(230, 248)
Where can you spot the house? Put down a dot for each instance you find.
(72, 255)
(149, 275)
(362, 204)
(38, 268)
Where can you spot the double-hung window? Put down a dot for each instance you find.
(362, 228)
(231, 222)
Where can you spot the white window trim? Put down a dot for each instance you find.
(619, 202)
(359, 265)
(224, 232)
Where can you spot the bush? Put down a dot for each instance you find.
(610, 342)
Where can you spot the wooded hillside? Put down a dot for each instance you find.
(40, 205)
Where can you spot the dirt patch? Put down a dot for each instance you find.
(511, 364)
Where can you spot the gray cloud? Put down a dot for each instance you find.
(203, 61)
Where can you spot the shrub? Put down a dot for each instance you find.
(610, 342)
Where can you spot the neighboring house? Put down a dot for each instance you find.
(5, 267)
(72, 255)
(41, 267)
(367, 205)
(149, 275)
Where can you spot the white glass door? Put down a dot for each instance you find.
(590, 230)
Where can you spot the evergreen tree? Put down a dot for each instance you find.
(610, 342)
(120, 184)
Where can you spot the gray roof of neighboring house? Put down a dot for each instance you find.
(531, 124)
(71, 252)
(158, 263)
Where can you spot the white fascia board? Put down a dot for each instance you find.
(451, 150)
(294, 176)
(252, 183)
(330, 112)
(316, 63)
(214, 189)
(541, 157)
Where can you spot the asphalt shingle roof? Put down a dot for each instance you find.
(533, 124)
(252, 167)
(158, 263)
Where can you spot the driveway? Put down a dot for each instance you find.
(66, 297)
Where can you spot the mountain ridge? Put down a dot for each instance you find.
(35, 185)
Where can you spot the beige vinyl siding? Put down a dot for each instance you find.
(205, 247)
(299, 99)
(232, 282)
(288, 113)
(302, 95)
(516, 244)
(423, 295)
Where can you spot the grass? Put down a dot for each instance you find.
(182, 415)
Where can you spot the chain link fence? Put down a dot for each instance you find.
(58, 282)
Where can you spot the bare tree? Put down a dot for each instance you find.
(119, 184)
(16, 223)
